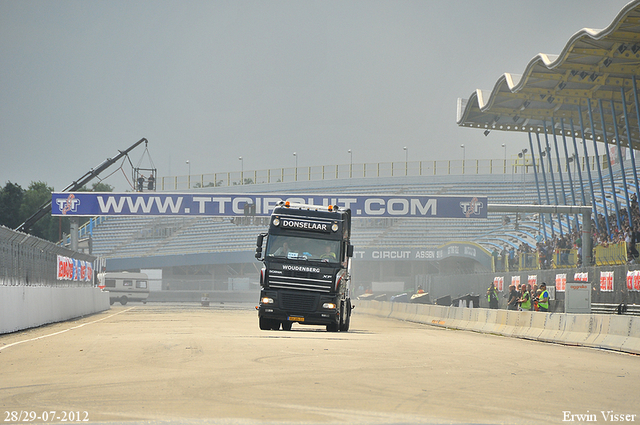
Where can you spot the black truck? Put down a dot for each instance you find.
(307, 263)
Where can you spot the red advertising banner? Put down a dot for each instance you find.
(606, 281)
(633, 280)
(581, 277)
(499, 283)
(532, 279)
(515, 280)
(74, 270)
(561, 282)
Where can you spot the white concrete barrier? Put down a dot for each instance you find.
(480, 319)
(553, 326)
(611, 332)
(525, 318)
(618, 332)
(578, 329)
(536, 326)
(511, 323)
(632, 343)
(23, 307)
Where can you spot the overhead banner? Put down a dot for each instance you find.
(240, 204)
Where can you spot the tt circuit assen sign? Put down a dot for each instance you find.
(229, 205)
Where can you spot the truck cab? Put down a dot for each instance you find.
(307, 263)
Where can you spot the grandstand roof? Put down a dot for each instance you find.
(595, 66)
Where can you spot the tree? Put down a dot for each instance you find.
(10, 201)
(37, 195)
(97, 187)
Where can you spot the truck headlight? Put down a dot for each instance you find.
(330, 306)
(266, 300)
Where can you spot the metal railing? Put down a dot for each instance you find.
(615, 254)
(28, 260)
(563, 258)
(513, 167)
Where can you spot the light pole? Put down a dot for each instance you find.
(406, 160)
(522, 155)
(464, 153)
(295, 155)
(241, 170)
(504, 164)
(350, 163)
(189, 175)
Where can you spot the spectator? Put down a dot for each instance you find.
(512, 304)
(543, 298)
(525, 298)
(492, 296)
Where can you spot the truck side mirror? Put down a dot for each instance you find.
(349, 250)
(259, 246)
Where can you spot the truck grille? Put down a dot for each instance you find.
(300, 283)
(297, 302)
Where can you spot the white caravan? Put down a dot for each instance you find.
(125, 286)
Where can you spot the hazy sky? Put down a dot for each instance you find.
(210, 81)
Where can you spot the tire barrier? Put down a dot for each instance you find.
(611, 332)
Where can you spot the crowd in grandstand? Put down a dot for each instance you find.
(556, 249)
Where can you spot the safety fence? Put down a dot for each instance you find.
(28, 260)
(512, 167)
(612, 332)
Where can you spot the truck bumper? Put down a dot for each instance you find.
(290, 306)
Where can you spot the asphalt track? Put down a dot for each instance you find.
(187, 364)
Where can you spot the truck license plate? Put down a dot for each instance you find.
(295, 319)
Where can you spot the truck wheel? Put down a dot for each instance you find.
(124, 300)
(286, 326)
(265, 324)
(345, 316)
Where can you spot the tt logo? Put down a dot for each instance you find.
(69, 204)
(327, 276)
(471, 208)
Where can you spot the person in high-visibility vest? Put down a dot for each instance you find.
(525, 298)
(543, 299)
(492, 296)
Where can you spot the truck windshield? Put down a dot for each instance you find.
(298, 248)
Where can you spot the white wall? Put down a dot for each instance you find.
(23, 307)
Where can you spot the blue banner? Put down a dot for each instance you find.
(240, 204)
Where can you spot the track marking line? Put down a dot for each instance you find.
(65, 330)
